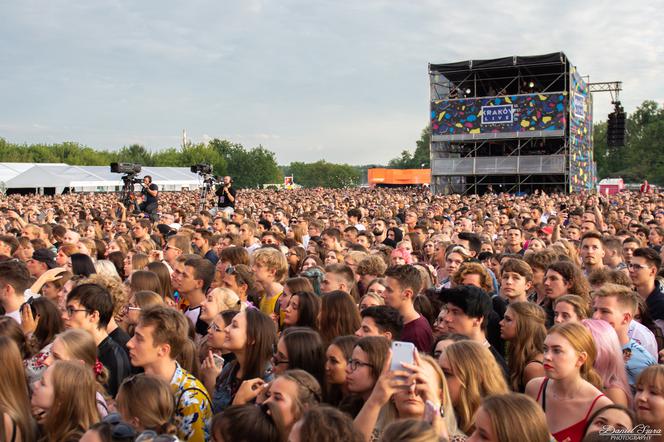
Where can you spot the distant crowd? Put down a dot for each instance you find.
(331, 315)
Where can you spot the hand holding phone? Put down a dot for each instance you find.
(402, 352)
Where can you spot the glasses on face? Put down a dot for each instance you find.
(353, 364)
(636, 267)
(71, 310)
(230, 270)
(215, 328)
(166, 247)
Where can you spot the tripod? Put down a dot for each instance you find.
(127, 197)
(203, 193)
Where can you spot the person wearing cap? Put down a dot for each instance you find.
(41, 261)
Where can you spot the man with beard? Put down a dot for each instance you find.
(379, 231)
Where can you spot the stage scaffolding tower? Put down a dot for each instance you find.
(513, 124)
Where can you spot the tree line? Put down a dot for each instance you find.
(250, 168)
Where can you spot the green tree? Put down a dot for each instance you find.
(420, 158)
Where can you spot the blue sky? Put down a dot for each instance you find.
(344, 81)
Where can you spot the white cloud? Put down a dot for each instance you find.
(344, 81)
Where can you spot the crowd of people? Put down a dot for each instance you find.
(283, 315)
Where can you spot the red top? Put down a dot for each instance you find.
(573, 433)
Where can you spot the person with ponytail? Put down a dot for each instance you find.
(570, 390)
(78, 345)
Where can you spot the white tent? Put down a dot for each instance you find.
(56, 177)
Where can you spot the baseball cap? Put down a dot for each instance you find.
(46, 256)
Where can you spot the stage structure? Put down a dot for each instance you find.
(513, 124)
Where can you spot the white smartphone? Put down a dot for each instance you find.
(402, 352)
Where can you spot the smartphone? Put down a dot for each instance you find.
(218, 360)
(402, 352)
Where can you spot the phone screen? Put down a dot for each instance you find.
(401, 352)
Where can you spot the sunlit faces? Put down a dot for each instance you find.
(292, 311)
(607, 308)
(76, 316)
(283, 393)
(216, 333)
(58, 353)
(335, 365)
(308, 263)
(453, 262)
(359, 380)
(43, 395)
(454, 385)
(209, 308)
(560, 358)
(649, 402)
(508, 325)
(377, 288)
(564, 312)
(408, 402)
(368, 301)
(394, 295)
(628, 250)
(514, 286)
(458, 321)
(236, 333)
(640, 271)
(439, 324)
(483, 428)
(592, 252)
(612, 417)
(368, 327)
(142, 351)
(555, 285)
(332, 281)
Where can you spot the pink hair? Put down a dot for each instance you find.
(402, 253)
(609, 362)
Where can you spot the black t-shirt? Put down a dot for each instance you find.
(149, 198)
(121, 338)
(116, 361)
(223, 199)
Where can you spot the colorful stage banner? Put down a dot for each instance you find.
(582, 171)
(531, 115)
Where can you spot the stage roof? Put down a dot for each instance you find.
(548, 64)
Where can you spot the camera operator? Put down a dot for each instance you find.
(150, 193)
(226, 194)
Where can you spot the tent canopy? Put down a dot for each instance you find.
(60, 176)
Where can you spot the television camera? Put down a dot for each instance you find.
(204, 171)
(130, 170)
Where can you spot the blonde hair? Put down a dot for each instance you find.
(226, 299)
(516, 417)
(653, 376)
(14, 396)
(625, 296)
(155, 407)
(528, 342)
(409, 430)
(74, 407)
(274, 260)
(80, 346)
(147, 298)
(479, 375)
(581, 341)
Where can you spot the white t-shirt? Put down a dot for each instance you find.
(643, 336)
(15, 315)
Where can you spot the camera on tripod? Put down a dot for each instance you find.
(201, 169)
(129, 178)
(209, 180)
(129, 169)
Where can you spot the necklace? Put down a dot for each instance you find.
(563, 398)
